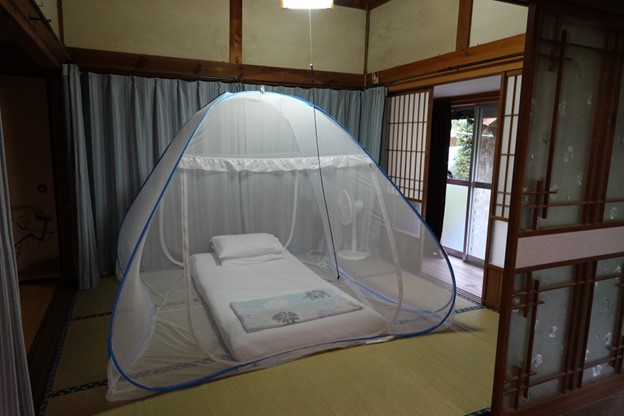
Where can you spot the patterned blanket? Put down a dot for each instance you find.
(259, 314)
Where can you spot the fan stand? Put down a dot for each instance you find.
(353, 254)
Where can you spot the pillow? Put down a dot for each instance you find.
(235, 246)
(248, 261)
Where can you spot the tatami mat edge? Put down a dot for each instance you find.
(57, 357)
(50, 393)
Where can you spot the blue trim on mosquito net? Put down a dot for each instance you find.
(219, 99)
(217, 374)
(147, 179)
(390, 300)
(214, 102)
(423, 222)
(438, 243)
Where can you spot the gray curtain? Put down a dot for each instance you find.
(15, 394)
(128, 122)
(84, 241)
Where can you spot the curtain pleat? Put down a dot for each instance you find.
(133, 119)
(15, 394)
(86, 267)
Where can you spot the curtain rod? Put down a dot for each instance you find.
(453, 68)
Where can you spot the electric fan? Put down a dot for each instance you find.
(347, 213)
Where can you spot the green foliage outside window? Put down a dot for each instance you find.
(462, 133)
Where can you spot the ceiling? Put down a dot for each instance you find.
(469, 87)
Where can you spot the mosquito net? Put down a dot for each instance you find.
(265, 233)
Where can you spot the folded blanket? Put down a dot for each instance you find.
(259, 314)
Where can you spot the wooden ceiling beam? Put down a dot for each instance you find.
(193, 69)
(500, 52)
(464, 23)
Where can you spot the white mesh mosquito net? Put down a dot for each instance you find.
(265, 233)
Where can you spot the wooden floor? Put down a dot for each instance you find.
(469, 278)
(35, 296)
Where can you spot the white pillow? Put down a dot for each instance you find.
(235, 246)
(248, 261)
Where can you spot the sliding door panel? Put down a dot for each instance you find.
(562, 312)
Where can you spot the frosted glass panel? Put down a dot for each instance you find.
(498, 243)
(555, 276)
(614, 211)
(604, 315)
(562, 129)
(455, 208)
(479, 223)
(550, 332)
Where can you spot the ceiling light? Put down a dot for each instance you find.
(307, 4)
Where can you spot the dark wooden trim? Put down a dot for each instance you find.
(489, 54)
(554, 265)
(34, 35)
(366, 43)
(474, 99)
(236, 31)
(565, 402)
(193, 69)
(559, 55)
(605, 12)
(464, 22)
(486, 291)
(61, 24)
(568, 229)
(516, 2)
(360, 4)
(43, 349)
(425, 178)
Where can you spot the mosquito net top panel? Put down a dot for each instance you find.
(266, 233)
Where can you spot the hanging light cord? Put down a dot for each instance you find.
(318, 152)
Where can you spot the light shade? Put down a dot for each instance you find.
(307, 4)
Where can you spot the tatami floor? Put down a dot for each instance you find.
(446, 373)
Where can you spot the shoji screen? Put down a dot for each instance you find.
(501, 197)
(408, 130)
